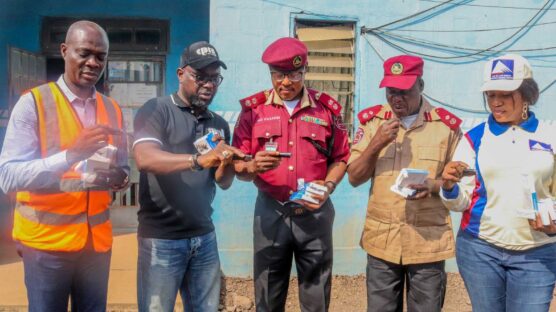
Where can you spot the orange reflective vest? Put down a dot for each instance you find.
(61, 217)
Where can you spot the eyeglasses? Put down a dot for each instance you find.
(294, 76)
(204, 79)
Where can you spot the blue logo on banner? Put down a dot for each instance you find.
(502, 69)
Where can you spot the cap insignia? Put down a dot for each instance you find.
(297, 61)
(397, 68)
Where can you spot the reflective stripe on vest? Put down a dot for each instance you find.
(52, 218)
(56, 217)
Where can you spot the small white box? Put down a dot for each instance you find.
(317, 189)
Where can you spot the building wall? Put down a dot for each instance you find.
(20, 25)
(241, 29)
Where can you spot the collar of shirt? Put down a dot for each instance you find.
(305, 101)
(84, 108)
(529, 125)
(70, 95)
(207, 114)
(387, 113)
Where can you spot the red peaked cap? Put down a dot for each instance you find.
(286, 54)
(401, 71)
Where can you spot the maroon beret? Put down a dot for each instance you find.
(286, 54)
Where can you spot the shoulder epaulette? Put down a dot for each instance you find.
(449, 119)
(368, 113)
(252, 101)
(327, 101)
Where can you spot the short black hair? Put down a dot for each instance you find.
(529, 91)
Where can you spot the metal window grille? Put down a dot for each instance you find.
(331, 65)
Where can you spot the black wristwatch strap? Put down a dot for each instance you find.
(333, 185)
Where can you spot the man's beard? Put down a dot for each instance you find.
(196, 102)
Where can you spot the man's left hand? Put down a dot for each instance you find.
(115, 178)
(320, 198)
(421, 191)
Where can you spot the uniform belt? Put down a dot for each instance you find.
(291, 209)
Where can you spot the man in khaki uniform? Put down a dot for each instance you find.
(407, 239)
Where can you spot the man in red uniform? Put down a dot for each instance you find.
(291, 118)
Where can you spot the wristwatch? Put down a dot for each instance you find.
(330, 183)
(194, 163)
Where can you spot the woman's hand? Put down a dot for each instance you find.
(452, 174)
(538, 226)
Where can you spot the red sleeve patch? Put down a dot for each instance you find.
(358, 135)
(449, 119)
(253, 100)
(368, 113)
(327, 101)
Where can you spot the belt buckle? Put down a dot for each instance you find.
(298, 211)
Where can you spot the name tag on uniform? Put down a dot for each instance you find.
(539, 146)
(315, 120)
(271, 146)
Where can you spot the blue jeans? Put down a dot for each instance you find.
(50, 278)
(498, 279)
(190, 266)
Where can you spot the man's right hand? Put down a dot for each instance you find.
(452, 174)
(89, 141)
(264, 161)
(386, 133)
(222, 153)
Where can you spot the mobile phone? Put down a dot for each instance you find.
(244, 158)
(250, 157)
(469, 172)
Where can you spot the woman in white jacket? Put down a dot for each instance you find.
(502, 178)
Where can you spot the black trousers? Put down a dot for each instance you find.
(282, 233)
(426, 286)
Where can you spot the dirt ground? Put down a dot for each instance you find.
(348, 295)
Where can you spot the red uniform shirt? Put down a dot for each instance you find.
(316, 117)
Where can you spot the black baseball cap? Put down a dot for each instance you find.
(199, 55)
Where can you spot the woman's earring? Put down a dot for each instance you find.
(525, 111)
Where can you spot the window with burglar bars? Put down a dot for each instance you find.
(331, 60)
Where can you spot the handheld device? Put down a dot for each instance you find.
(244, 158)
(469, 172)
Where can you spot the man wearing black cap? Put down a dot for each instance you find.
(177, 242)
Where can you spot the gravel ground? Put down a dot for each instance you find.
(348, 295)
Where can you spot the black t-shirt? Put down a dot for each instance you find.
(176, 205)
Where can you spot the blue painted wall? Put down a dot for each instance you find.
(241, 29)
(20, 25)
